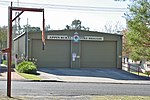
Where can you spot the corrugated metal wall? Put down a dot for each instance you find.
(55, 55)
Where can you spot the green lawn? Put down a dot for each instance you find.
(121, 98)
(78, 98)
(140, 74)
(29, 76)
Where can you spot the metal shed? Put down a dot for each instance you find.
(72, 49)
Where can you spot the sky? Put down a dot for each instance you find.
(59, 18)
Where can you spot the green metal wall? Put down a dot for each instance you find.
(55, 55)
(89, 54)
(98, 54)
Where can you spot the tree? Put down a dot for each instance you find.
(47, 27)
(125, 47)
(76, 25)
(3, 37)
(68, 27)
(113, 27)
(138, 35)
(126, 0)
(31, 29)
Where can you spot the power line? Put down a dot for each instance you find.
(67, 7)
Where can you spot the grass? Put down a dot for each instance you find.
(79, 98)
(140, 74)
(29, 76)
(121, 98)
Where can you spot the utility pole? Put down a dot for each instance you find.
(8, 50)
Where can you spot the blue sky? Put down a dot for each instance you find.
(59, 18)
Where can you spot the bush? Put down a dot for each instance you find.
(26, 67)
(12, 63)
(5, 62)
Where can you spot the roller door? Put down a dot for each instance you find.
(98, 54)
(55, 55)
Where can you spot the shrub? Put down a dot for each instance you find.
(12, 63)
(26, 67)
(5, 62)
(22, 59)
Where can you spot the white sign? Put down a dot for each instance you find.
(74, 56)
(92, 38)
(58, 37)
(65, 37)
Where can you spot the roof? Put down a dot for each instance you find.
(79, 31)
(66, 30)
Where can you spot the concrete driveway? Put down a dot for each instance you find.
(90, 75)
(81, 75)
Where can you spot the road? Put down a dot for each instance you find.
(73, 89)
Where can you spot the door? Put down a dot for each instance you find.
(55, 55)
(98, 54)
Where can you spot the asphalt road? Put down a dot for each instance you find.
(73, 89)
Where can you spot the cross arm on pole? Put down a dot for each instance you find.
(6, 50)
(17, 16)
(28, 9)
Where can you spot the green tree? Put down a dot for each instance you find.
(76, 25)
(138, 35)
(3, 37)
(31, 29)
(125, 47)
(125, 0)
(111, 27)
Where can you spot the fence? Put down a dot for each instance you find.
(135, 68)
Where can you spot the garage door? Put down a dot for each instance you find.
(55, 55)
(98, 54)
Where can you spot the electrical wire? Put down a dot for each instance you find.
(67, 7)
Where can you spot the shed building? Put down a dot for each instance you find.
(71, 49)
